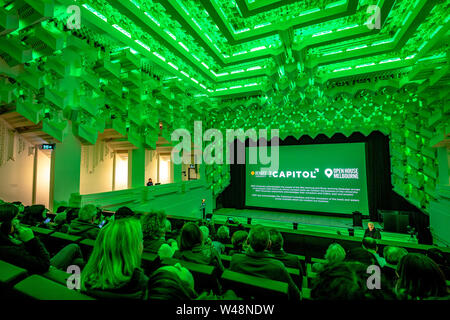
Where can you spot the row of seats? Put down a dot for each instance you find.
(203, 274)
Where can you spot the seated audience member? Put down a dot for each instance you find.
(72, 214)
(258, 262)
(20, 247)
(347, 281)
(289, 260)
(21, 208)
(124, 212)
(370, 244)
(441, 260)
(85, 225)
(222, 238)
(34, 215)
(153, 228)
(372, 232)
(276, 250)
(361, 255)
(419, 277)
(239, 242)
(60, 222)
(174, 283)
(335, 253)
(206, 240)
(192, 247)
(113, 269)
(392, 255)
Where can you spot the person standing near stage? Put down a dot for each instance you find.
(372, 232)
(150, 182)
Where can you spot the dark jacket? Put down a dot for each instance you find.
(261, 264)
(389, 273)
(83, 229)
(375, 234)
(136, 288)
(290, 261)
(201, 254)
(31, 255)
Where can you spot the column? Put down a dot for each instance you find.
(65, 169)
(137, 169)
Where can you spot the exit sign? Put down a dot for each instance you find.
(47, 146)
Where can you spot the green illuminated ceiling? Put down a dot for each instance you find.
(251, 47)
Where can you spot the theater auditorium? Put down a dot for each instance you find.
(227, 150)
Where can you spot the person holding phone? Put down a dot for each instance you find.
(19, 246)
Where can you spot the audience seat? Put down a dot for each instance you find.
(10, 274)
(40, 288)
(57, 275)
(247, 286)
(42, 232)
(306, 293)
(226, 260)
(204, 275)
(295, 275)
(58, 240)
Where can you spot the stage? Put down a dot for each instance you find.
(308, 222)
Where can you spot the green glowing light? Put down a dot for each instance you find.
(304, 13)
(258, 48)
(159, 56)
(172, 65)
(184, 47)
(98, 14)
(153, 19)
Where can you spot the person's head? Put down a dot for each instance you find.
(149, 179)
(167, 226)
(392, 255)
(259, 238)
(437, 256)
(205, 232)
(335, 253)
(223, 234)
(8, 214)
(19, 206)
(123, 212)
(346, 281)
(238, 239)
(190, 236)
(34, 215)
(117, 253)
(60, 218)
(371, 226)
(152, 226)
(61, 209)
(419, 277)
(72, 213)
(369, 244)
(171, 283)
(276, 239)
(88, 213)
(361, 255)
